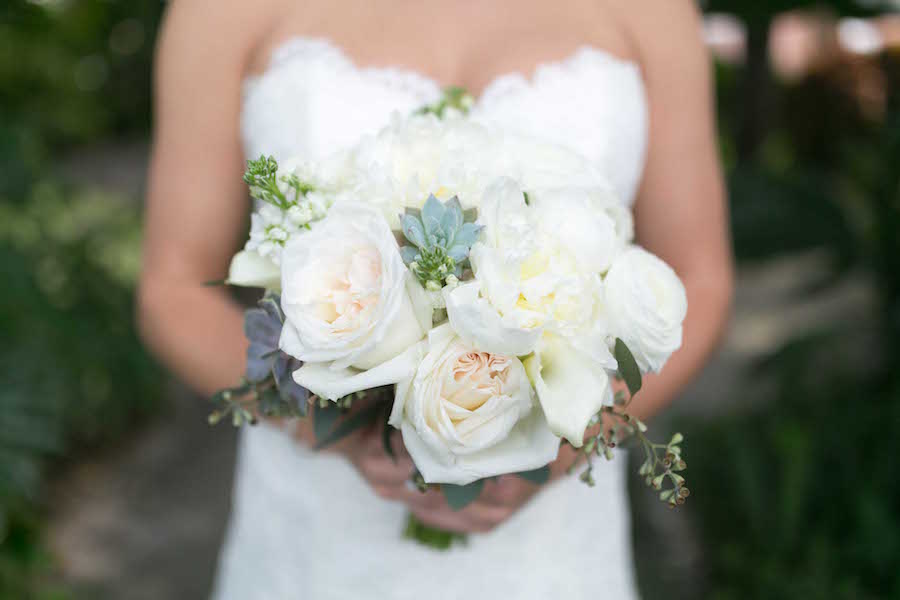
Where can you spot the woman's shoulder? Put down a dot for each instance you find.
(658, 29)
(223, 37)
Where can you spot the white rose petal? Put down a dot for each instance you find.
(333, 384)
(580, 224)
(475, 320)
(645, 305)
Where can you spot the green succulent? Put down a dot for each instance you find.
(441, 239)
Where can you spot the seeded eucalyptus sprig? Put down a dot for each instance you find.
(453, 97)
(441, 240)
(262, 178)
(662, 462)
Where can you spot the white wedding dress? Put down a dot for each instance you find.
(304, 525)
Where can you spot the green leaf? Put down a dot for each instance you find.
(459, 496)
(324, 418)
(538, 476)
(349, 425)
(628, 367)
(386, 430)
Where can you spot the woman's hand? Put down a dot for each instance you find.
(391, 479)
(498, 501)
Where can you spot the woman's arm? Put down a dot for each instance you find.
(196, 210)
(196, 204)
(680, 214)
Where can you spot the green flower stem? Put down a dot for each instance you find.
(439, 539)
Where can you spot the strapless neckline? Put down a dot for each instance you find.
(298, 46)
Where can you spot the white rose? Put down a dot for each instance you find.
(469, 414)
(646, 305)
(345, 300)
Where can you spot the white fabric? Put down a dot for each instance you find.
(304, 525)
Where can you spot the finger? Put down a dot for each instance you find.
(506, 491)
(487, 515)
(382, 470)
(448, 520)
(412, 498)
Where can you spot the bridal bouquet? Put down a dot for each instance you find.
(482, 286)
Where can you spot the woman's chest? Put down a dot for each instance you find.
(313, 100)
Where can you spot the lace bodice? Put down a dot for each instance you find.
(313, 100)
(304, 524)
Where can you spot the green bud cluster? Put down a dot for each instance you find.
(263, 179)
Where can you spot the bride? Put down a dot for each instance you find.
(624, 83)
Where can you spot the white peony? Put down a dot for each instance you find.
(345, 300)
(535, 268)
(411, 158)
(646, 305)
(468, 414)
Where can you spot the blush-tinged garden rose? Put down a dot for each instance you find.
(468, 414)
(346, 305)
(646, 305)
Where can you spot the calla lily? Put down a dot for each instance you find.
(570, 385)
(249, 269)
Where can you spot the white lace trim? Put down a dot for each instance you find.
(304, 48)
(301, 48)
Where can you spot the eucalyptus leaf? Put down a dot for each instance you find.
(628, 367)
(324, 419)
(344, 428)
(538, 476)
(459, 496)
(386, 431)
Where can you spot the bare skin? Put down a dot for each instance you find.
(197, 205)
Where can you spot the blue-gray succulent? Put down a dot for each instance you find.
(265, 360)
(441, 239)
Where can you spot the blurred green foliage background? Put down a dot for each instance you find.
(74, 374)
(796, 493)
